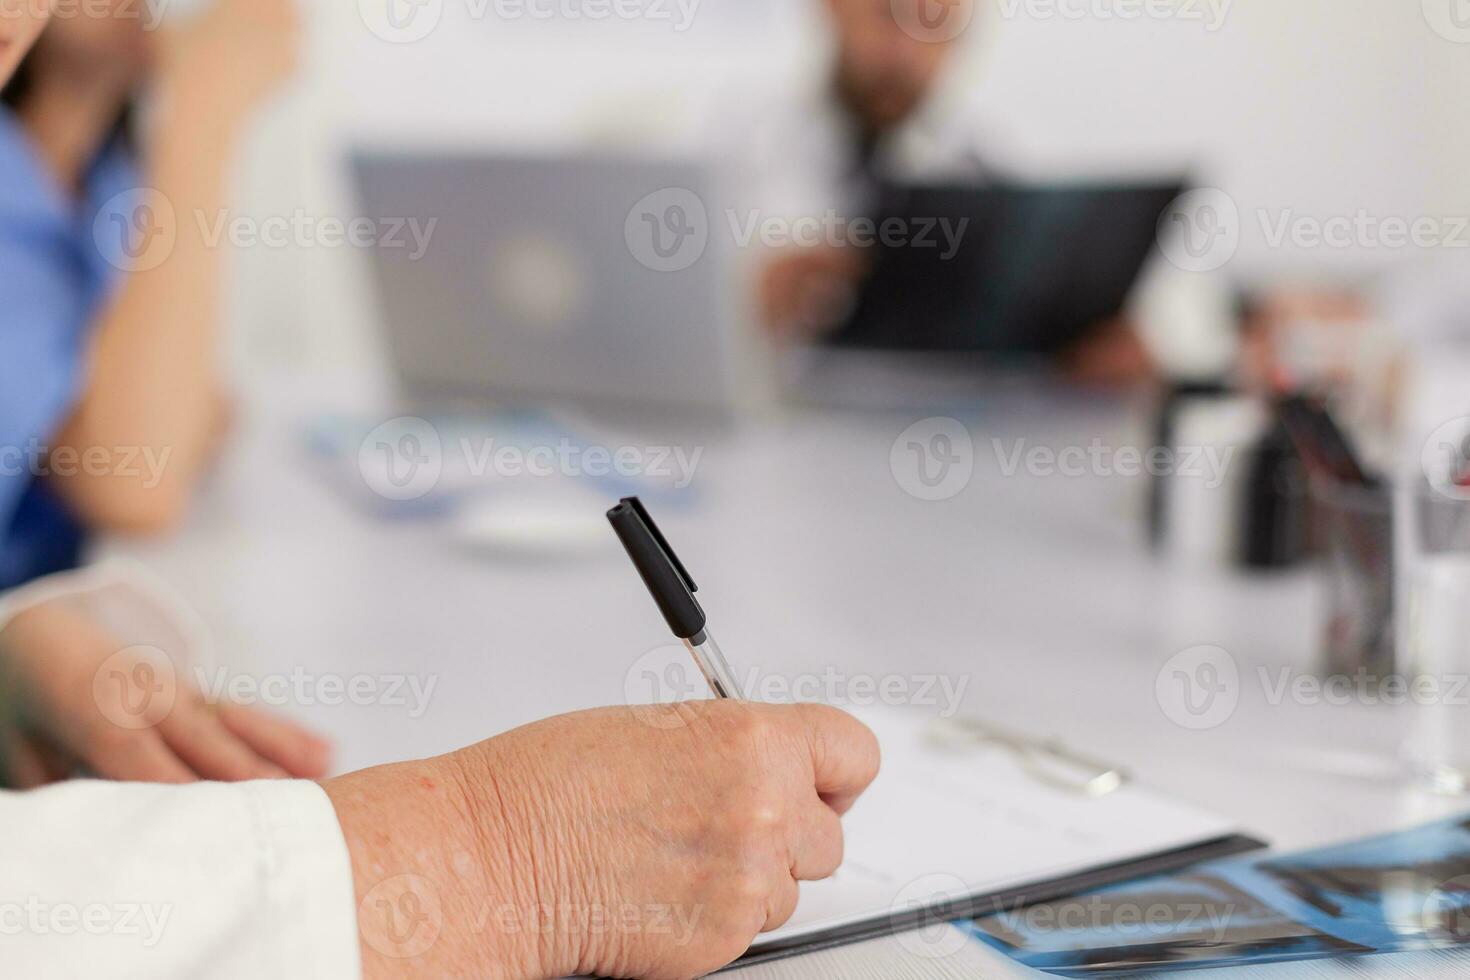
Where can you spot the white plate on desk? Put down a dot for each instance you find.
(546, 521)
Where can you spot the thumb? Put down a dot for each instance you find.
(845, 755)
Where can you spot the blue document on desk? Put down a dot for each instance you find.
(1401, 893)
(950, 831)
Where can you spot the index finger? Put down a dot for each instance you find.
(845, 755)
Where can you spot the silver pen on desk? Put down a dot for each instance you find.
(673, 589)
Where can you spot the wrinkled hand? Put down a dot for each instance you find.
(653, 843)
(75, 699)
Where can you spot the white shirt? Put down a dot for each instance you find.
(796, 153)
(203, 882)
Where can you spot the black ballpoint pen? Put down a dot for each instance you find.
(673, 591)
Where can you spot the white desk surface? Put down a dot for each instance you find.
(808, 554)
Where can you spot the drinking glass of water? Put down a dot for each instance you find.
(1434, 633)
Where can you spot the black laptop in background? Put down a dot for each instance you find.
(1035, 270)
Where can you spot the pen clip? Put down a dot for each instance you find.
(666, 578)
(660, 540)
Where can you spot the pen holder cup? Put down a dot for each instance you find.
(1396, 566)
(1354, 528)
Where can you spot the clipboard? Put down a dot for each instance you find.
(985, 904)
(1004, 834)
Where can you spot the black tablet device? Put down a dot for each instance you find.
(1034, 269)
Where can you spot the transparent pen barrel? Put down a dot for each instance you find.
(714, 667)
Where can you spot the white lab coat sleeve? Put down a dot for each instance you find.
(202, 882)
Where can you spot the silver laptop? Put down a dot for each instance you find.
(573, 279)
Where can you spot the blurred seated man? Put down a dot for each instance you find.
(884, 119)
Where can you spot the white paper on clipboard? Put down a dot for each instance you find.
(940, 825)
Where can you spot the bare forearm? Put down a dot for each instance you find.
(153, 389)
(154, 385)
(429, 897)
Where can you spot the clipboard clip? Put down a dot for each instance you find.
(1048, 761)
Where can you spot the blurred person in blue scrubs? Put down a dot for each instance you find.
(110, 396)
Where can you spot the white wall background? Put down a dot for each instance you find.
(1322, 106)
